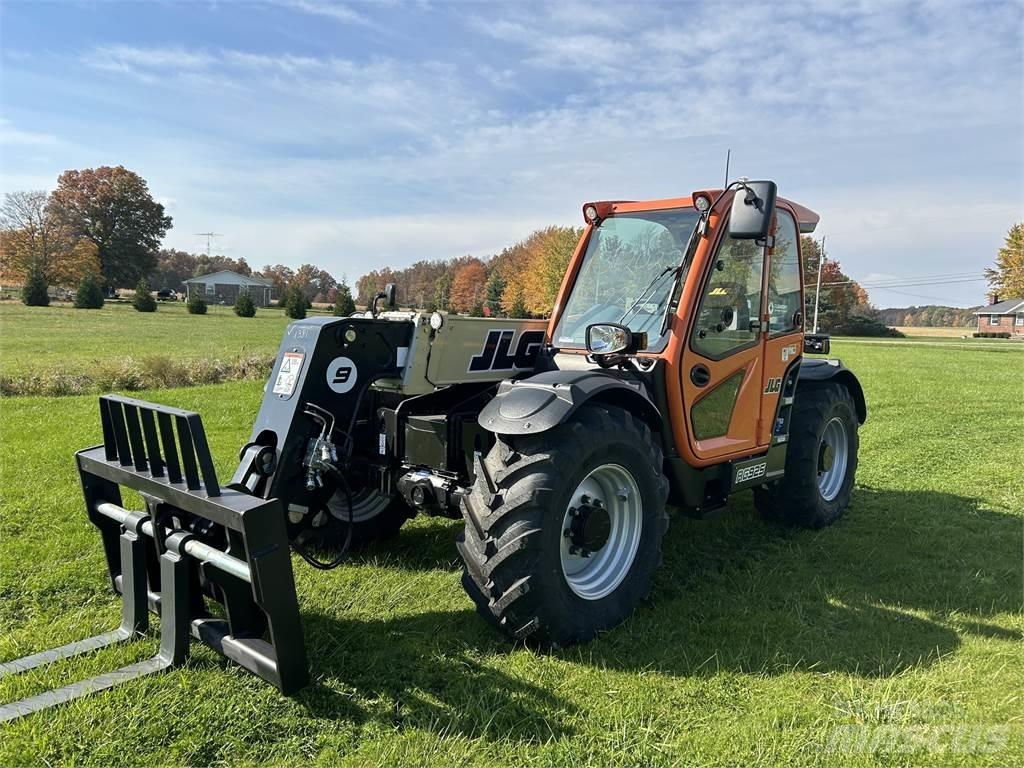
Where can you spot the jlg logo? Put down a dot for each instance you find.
(774, 385)
(495, 354)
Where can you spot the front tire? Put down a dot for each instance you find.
(375, 517)
(563, 529)
(821, 461)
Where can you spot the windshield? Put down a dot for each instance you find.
(627, 274)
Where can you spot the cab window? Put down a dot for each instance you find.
(784, 304)
(728, 317)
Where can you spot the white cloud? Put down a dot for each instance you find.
(11, 136)
(342, 12)
(357, 154)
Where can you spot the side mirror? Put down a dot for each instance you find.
(817, 343)
(389, 295)
(752, 210)
(612, 339)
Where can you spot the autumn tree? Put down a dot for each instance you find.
(536, 266)
(33, 240)
(281, 276)
(114, 209)
(207, 265)
(468, 284)
(313, 281)
(1007, 277)
(840, 297)
(173, 268)
(373, 282)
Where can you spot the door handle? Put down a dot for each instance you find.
(700, 375)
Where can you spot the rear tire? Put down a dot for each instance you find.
(540, 501)
(376, 517)
(821, 461)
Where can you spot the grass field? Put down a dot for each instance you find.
(892, 637)
(61, 338)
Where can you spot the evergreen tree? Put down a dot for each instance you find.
(35, 292)
(518, 308)
(442, 291)
(343, 302)
(477, 310)
(295, 303)
(195, 305)
(90, 293)
(495, 291)
(244, 306)
(143, 300)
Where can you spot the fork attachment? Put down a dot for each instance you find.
(213, 562)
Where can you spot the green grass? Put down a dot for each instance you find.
(59, 338)
(760, 645)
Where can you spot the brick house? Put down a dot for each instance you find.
(1002, 317)
(223, 288)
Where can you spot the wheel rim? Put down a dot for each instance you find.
(366, 504)
(605, 512)
(833, 456)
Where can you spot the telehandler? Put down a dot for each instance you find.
(671, 372)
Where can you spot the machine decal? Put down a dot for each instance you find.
(291, 365)
(495, 354)
(773, 386)
(341, 375)
(751, 472)
(788, 352)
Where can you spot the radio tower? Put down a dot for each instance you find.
(209, 239)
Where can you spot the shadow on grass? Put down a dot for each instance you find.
(897, 584)
(429, 670)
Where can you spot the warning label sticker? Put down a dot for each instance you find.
(288, 374)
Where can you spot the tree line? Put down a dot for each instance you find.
(520, 281)
(101, 229)
(100, 222)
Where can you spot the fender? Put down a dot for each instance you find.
(829, 369)
(536, 404)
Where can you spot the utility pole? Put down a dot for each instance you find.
(209, 239)
(817, 291)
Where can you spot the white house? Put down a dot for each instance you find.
(224, 287)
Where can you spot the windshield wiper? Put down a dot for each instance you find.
(691, 247)
(646, 291)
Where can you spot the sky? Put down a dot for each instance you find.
(357, 135)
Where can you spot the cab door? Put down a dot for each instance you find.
(722, 370)
(785, 317)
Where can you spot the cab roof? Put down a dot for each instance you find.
(807, 220)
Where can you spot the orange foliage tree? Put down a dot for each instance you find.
(34, 240)
(469, 282)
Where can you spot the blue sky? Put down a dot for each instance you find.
(356, 135)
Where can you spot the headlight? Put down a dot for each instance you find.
(608, 338)
(590, 214)
(436, 321)
(702, 203)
